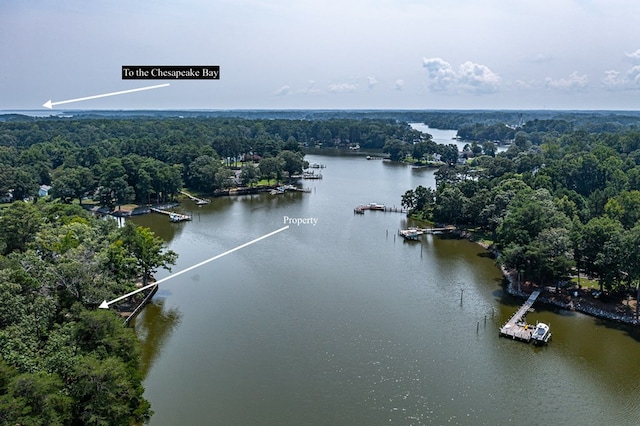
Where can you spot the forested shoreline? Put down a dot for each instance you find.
(62, 360)
(557, 203)
(145, 160)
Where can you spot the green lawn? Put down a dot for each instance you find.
(585, 282)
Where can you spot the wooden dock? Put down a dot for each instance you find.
(517, 327)
(378, 207)
(415, 233)
(173, 216)
(284, 188)
(199, 201)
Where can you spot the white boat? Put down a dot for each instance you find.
(541, 334)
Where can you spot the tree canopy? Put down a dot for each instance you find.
(62, 362)
(557, 201)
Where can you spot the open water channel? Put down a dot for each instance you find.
(344, 323)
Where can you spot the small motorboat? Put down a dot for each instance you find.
(541, 334)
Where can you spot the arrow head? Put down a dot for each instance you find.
(104, 305)
(48, 104)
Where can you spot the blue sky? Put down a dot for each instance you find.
(337, 54)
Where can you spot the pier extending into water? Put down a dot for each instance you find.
(517, 327)
(173, 216)
(415, 233)
(199, 201)
(284, 188)
(378, 207)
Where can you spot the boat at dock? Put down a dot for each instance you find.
(541, 334)
(176, 217)
(415, 233)
(173, 216)
(518, 329)
(284, 188)
(311, 175)
(377, 207)
(412, 234)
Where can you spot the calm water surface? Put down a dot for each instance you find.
(343, 323)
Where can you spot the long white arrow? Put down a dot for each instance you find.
(105, 304)
(50, 104)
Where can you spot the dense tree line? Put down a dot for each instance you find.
(482, 132)
(116, 161)
(558, 200)
(62, 362)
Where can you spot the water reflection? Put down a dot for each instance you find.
(154, 326)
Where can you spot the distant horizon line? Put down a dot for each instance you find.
(61, 111)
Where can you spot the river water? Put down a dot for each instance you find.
(345, 323)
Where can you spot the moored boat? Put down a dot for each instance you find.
(541, 334)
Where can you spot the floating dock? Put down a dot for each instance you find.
(517, 327)
(173, 216)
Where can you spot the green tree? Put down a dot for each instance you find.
(625, 207)
(73, 183)
(489, 148)
(292, 162)
(19, 225)
(24, 183)
(147, 249)
(271, 168)
(448, 153)
(600, 243)
(202, 173)
(224, 179)
(450, 205)
(249, 175)
(106, 394)
(396, 149)
(35, 399)
(526, 235)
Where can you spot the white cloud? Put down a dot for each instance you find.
(342, 88)
(634, 56)
(470, 77)
(398, 85)
(284, 90)
(575, 82)
(614, 80)
(478, 78)
(441, 74)
(371, 82)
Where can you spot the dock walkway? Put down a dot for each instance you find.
(517, 328)
(415, 233)
(378, 207)
(173, 216)
(199, 201)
